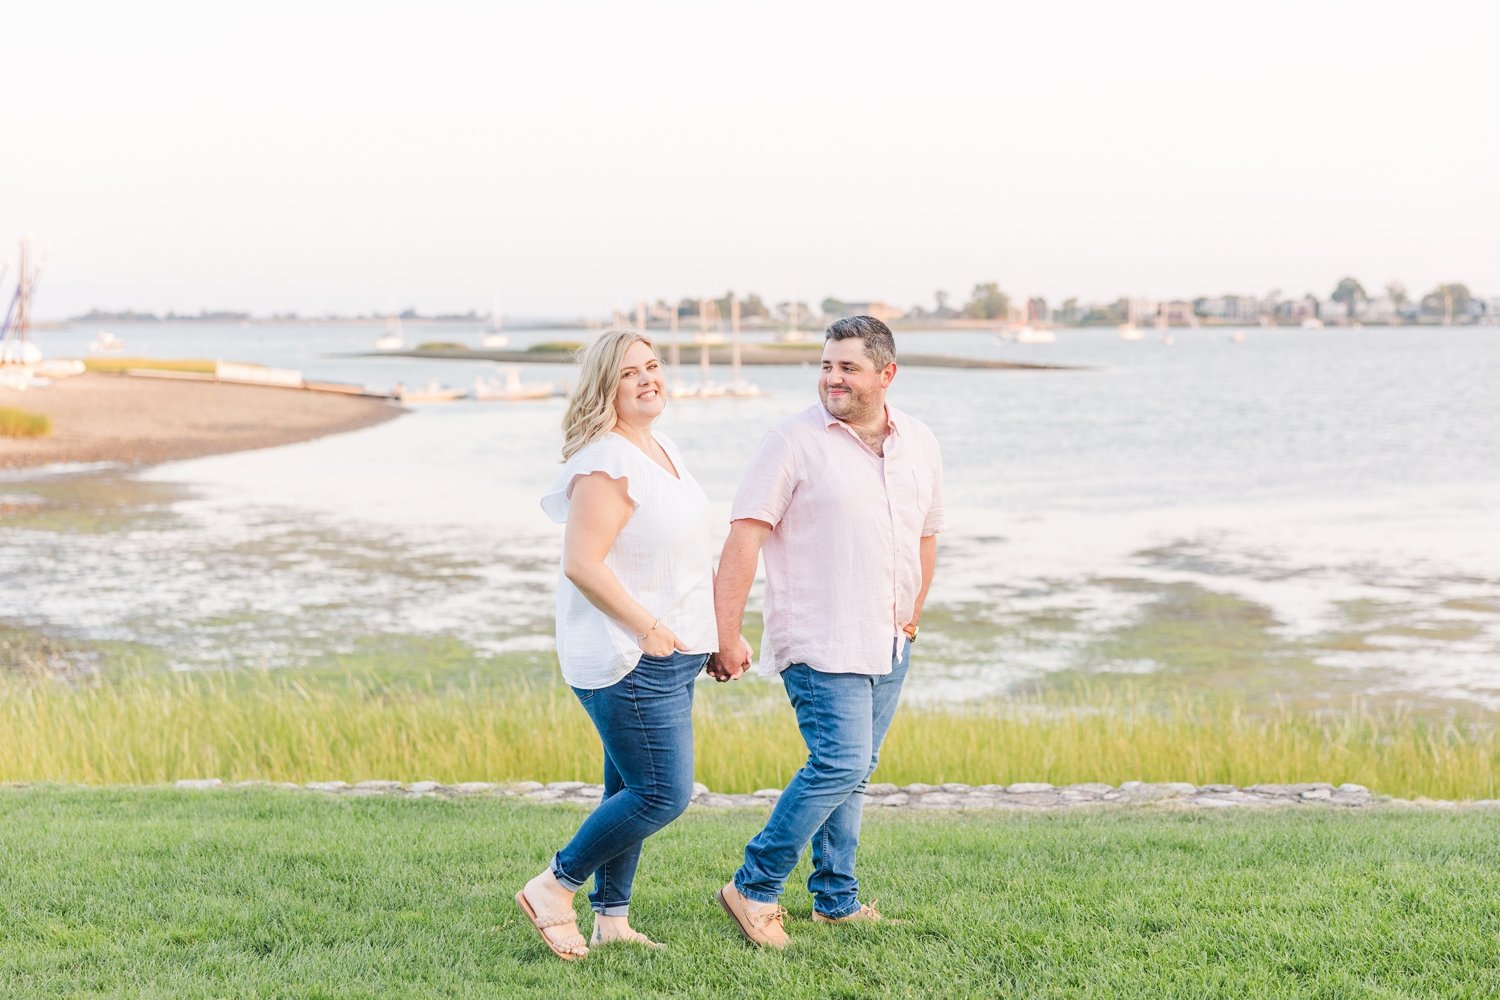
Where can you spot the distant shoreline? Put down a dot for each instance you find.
(135, 421)
(750, 354)
(750, 326)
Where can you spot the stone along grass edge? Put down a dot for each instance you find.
(1024, 796)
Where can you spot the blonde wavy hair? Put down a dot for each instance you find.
(591, 405)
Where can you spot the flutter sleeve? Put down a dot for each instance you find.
(603, 456)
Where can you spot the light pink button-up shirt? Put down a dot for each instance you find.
(843, 567)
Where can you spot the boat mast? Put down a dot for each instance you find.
(15, 344)
(676, 355)
(734, 339)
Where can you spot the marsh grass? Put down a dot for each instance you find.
(19, 423)
(115, 365)
(276, 726)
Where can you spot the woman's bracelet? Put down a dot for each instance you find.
(653, 628)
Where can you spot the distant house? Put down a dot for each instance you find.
(1214, 308)
(876, 310)
(1180, 313)
(1380, 310)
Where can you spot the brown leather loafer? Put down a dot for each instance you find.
(762, 928)
(866, 914)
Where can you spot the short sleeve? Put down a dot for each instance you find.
(770, 479)
(936, 520)
(603, 456)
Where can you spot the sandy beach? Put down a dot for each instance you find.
(135, 421)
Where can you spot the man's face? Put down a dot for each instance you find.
(851, 387)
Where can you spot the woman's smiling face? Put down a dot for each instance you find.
(640, 393)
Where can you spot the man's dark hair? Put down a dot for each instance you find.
(880, 345)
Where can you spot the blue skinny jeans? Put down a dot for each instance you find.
(645, 721)
(844, 719)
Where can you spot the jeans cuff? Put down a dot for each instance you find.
(563, 878)
(611, 909)
(754, 896)
(838, 915)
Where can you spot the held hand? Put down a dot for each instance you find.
(732, 659)
(741, 663)
(715, 669)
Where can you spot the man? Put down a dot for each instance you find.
(846, 499)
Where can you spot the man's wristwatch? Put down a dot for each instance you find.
(911, 632)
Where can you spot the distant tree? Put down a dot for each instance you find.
(1447, 301)
(941, 298)
(987, 302)
(753, 307)
(1352, 294)
(688, 307)
(1397, 293)
(832, 307)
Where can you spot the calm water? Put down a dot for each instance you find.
(1331, 478)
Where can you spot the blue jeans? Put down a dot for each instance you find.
(645, 721)
(843, 718)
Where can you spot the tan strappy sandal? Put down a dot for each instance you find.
(633, 937)
(569, 949)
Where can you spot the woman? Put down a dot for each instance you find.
(635, 625)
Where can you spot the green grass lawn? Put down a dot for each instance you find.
(137, 892)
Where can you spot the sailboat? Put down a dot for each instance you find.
(1128, 329)
(676, 388)
(491, 336)
(19, 356)
(392, 339)
(1019, 329)
(707, 388)
(792, 334)
(737, 385)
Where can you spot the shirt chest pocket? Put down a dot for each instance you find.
(922, 486)
(909, 495)
(924, 491)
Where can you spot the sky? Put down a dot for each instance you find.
(564, 158)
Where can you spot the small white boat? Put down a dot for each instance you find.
(1312, 323)
(104, 341)
(509, 388)
(21, 379)
(1129, 331)
(742, 388)
(432, 392)
(20, 352)
(56, 368)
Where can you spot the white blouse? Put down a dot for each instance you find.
(663, 557)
